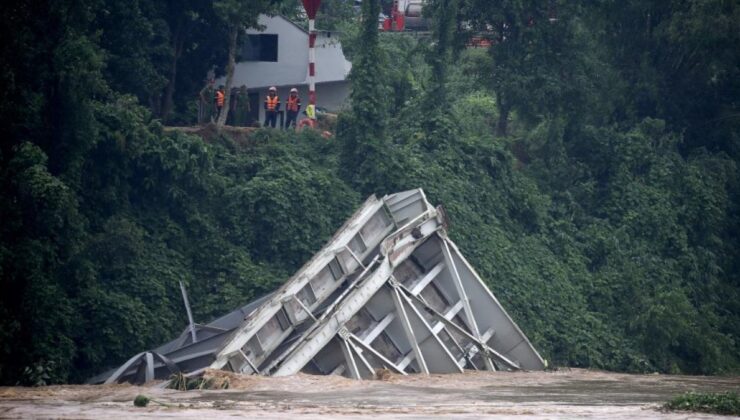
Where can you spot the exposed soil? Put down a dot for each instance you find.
(473, 395)
(209, 133)
(243, 136)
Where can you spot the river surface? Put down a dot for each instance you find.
(563, 394)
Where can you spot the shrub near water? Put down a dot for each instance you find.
(709, 402)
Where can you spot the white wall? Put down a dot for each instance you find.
(331, 65)
(292, 65)
(292, 57)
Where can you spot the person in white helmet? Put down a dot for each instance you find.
(272, 106)
(292, 106)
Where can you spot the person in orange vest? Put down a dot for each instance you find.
(219, 98)
(272, 106)
(292, 106)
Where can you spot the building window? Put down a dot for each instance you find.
(260, 48)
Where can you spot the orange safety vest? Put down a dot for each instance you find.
(272, 102)
(219, 98)
(293, 103)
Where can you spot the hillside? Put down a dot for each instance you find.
(589, 168)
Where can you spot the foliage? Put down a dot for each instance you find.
(141, 400)
(38, 375)
(362, 131)
(589, 165)
(438, 125)
(727, 403)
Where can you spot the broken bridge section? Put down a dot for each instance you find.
(389, 291)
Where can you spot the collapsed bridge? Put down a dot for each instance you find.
(389, 290)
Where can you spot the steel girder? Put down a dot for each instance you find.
(390, 291)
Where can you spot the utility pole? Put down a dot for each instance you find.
(311, 6)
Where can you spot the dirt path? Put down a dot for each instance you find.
(474, 395)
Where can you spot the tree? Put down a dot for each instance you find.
(196, 39)
(678, 63)
(238, 15)
(437, 125)
(443, 14)
(362, 131)
(542, 67)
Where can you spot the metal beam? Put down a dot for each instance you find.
(410, 336)
(249, 362)
(167, 362)
(462, 331)
(303, 306)
(375, 353)
(190, 313)
(210, 328)
(352, 253)
(117, 374)
(378, 328)
(428, 277)
(349, 358)
(362, 358)
(432, 334)
(149, 373)
(464, 297)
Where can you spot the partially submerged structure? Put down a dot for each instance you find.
(389, 290)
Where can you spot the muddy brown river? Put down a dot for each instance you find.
(551, 395)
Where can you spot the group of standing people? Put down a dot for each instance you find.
(212, 102)
(292, 107)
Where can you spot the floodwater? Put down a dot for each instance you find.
(563, 394)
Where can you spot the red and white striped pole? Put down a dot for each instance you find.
(311, 62)
(311, 6)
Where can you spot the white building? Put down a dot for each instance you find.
(277, 56)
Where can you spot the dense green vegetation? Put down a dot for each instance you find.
(588, 160)
(717, 403)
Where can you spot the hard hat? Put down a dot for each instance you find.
(272, 88)
(294, 90)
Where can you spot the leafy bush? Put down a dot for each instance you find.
(717, 403)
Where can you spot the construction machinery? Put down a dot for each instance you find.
(405, 15)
